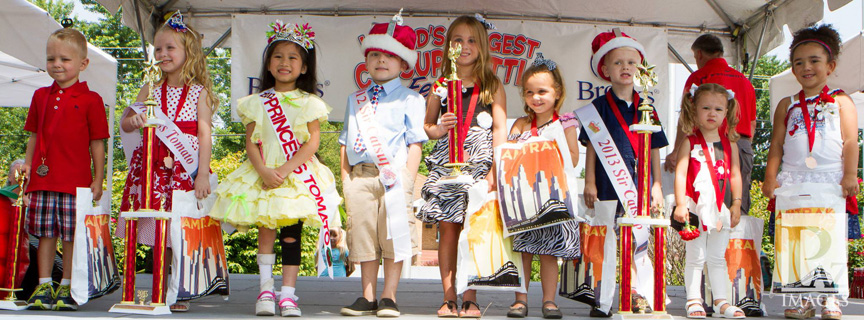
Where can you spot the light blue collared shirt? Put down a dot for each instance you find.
(399, 116)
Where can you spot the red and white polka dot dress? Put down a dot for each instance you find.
(165, 180)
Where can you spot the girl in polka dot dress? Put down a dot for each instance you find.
(184, 95)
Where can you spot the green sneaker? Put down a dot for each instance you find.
(42, 298)
(63, 299)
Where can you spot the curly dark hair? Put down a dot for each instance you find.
(824, 35)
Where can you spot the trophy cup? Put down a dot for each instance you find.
(645, 78)
(148, 209)
(11, 302)
(456, 141)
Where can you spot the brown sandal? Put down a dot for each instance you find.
(451, 312)
(520, 311)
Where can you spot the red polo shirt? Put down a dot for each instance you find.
(718, 71)
(67, 120)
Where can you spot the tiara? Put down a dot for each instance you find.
(175, 21)
(301, 35)
(540, 61)
(487, 24)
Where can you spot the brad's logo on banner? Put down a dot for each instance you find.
(510, 56)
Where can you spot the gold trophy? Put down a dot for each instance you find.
(455, 140)
(11, 302)
(645, 78)
(148, 209)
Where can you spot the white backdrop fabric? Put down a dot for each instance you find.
(514, 47)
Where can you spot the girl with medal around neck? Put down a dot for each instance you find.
(267, 190)
(702, 182)
(185, 96)
(815, 138)
(483, 129)
(543, 93)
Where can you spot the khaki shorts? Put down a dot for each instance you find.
(367, 214)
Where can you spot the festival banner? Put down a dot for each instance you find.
(744, 288)
(513, 46)
(94, 268)
(8, 222)
(582, 280)
(199, 265)
(536, 183)
(486, 260)
(810, 240)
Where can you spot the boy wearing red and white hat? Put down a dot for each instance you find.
(616, 56)
(380, 154)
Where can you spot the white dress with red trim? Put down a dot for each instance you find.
(701, 195)
(165, 180)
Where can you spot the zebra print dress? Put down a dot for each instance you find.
(447, 202)
(560, 240)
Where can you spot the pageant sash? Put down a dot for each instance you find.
(390, 172)
(610, 157)
(325, 199)
(176, 141)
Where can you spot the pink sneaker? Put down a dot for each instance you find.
(266, 305)
(289, 307)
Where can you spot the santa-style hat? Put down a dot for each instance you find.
(393, 38)
(607, 41)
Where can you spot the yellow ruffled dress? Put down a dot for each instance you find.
(242, 201)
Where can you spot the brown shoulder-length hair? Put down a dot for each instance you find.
(483, 66)
(558, 85)
(688, 110)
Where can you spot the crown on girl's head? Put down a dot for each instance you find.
(175, 21)
(301, 35)
(540, 61)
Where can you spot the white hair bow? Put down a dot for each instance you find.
(694, 87)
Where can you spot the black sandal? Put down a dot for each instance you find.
(466, 305)
(518, 312)
(451, 308)
(550, 313)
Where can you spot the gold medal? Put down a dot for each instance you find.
(810, 162)
(169, 162)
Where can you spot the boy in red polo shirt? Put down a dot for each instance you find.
(68, 124)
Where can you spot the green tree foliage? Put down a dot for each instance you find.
(767, 67)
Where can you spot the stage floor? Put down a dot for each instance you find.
(322, 299)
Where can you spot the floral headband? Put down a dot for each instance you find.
(301, 35)
(487, 24)
(175, 21)
(694, 87)
(540, 61)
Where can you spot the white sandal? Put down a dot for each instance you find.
(730, 311)
(804, 311)
(694, 306)
(833, 306)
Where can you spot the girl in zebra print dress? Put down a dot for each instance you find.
(543, 92)
(485, 119)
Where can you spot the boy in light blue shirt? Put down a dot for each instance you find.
(381, 150)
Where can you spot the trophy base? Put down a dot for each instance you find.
(152, 123)
(644, 128)
(146, 214)
(459, 179)
(14, 305)
(145, 309)
(659, 315)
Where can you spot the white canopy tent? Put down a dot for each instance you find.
(849, 76)
(24, 32)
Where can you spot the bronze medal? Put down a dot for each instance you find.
(42, 170)
(169, 162)
(810, 162)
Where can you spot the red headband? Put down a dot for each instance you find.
(830, 54)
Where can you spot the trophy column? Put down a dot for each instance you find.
(646, 78)
(455, 138)
(148, 209)
(11, 302)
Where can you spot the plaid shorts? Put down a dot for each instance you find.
(51, 214)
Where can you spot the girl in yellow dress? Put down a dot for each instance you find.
(279, 186)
